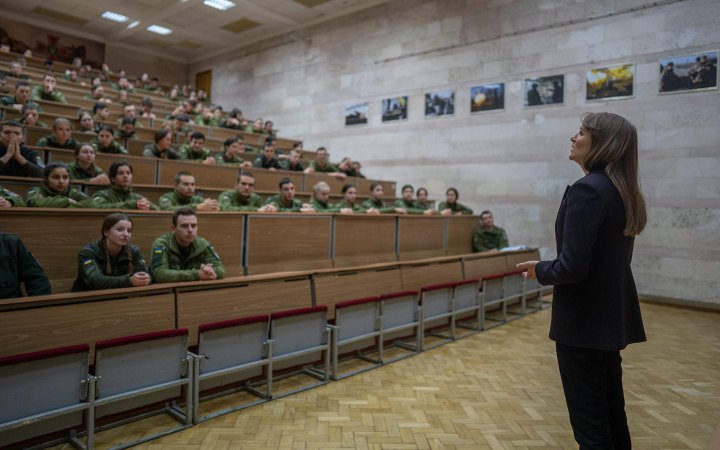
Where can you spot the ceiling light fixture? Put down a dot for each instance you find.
(133, 24)
(159, 30)
(115, 17)
(222, 5)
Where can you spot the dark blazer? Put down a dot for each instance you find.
(595, 303)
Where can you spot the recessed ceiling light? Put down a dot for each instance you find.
(134, 24)
(222, 5)
(159, 30)
(115, 17)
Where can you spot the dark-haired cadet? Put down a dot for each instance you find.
(9, 199)
(21, 97)
(406, 202)
(285, 201)
(230, 154)
(349, 205)
(126, 128)
(84, 168)
(267, 160)
(19, 267)
(60, 137)
(106, 143)
(111, 262)
(451, 206)
(182, 255)
(375, 202)
(183, 196)
(195, 151)
(16, 160)
(120, 194)
(161, 148)
(422, 202)
(56, 191)
(243, 197)
(101, 113)
(30, 113)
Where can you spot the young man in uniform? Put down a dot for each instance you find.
(195, 150)
(16, 160)
(18, 266)
(293, 161)
(321, 164)
(487, 236)
(47, 91)
(243, 197)
(184, 196)
(285, 201)
(21, 97)
(321, 198)
(267, 160)
(182, 255)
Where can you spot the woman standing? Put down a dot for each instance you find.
(595, 311)
(111, 262)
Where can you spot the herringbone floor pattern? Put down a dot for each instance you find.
(499, 389)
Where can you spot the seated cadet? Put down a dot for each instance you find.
(127, 129)
(232, 120)
(230, 155)
(129, 112)
(60, 137)
(30, 115)
(18, 266)
(4, 89)
(161, 148)
(348, 205)
(243, 197)
(106, 143)
(293, 161)
(422, 202)
(375, 201)
(21, 97)
(346, 167)
(184, 196)
(358, 167)
(269, 128)
(16, 68)
(321, 197)
(180, 124)
(207, 118)
(147, 106)
(267, 160)
(9, 199)
(194, 150)
(101, 112)
(120, 194)
(87, 124)
(112, 262)
(122, 84)
(16, 160)
(56, 191)
(406, 202)
(182, 255)
(154, 85)
(285, 201)
(321, 164)
(47, 91)
(97, 93)
(257, 127)
(84, 168)
(451, 205)
(487, 236)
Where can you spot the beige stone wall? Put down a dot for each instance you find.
(514, 161)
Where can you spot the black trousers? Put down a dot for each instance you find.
(592, 382)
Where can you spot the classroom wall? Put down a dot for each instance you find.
(513, 161)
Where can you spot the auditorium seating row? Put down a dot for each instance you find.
(176, 369)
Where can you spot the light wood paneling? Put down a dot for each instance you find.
(420, 237)
(361, 240)
(416, 276)
(332, 288)
(480, 266)
(460, 234)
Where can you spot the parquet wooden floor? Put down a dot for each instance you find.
(499, 389)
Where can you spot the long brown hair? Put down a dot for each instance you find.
(615, 146)
(107, 224)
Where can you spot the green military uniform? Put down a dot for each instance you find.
(38, 123)
(9, 101)
(251, 129)
(171, 201)
(276, 201)
(355, 207)
(171, 263)
(78, 173)
(484, 240)
(408, 205)
(421, 206)
(223, 160)
(50, 141)
(379, 205)
(232, 201)
(324, 206)
(44, 197)
(116, 87)
(114, 148)
(12, 197)
(328, 168)
(118, 198)
(211, 122)
(120, 134)
(285, 165)
(186, 152)
(38, 93)
(152, 152)
(93, 261)
(18, 266)
(455, 207)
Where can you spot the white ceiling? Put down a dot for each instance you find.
(197, 32)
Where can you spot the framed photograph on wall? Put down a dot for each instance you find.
(356, 114)
(610, 83)
(395, 108)
(487, 97)
(698, 71)
(544, 90)
(441, 103)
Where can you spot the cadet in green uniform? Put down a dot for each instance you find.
(267, 160)
(451, 205)
(487, 236)
(292, 162)
(31, 115)
(321, 164)
(422, 202)
(84, 168)
(183, 196)
(18, 266)
(161, 148)
(285, 201)
(194, 150)
(21, 97)
(406, 202)
(56, 191)
(243, 197)
(375, 205)
(126, 128)
(182, 255)
(47, 91)
(111, 262)
(106, 143)
(321, 197)
(60, 137)
(207, 118)
(120, 194)
(9, 199)
(230, 155)
(16, 160)
(348, 205)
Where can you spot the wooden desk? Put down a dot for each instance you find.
(417, 275)
(483, 264)
(460, 234)
(221, 177)
(144, 169)
(361, 239)
(337, 286)
(420, 237)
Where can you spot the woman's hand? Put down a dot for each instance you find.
(528, 268)
(140, 279)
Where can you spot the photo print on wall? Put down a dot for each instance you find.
(395, 108)
(544, 90)
(697, 71)
(356, 114)
(441, 103)
(487, 97)
(610, 83)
